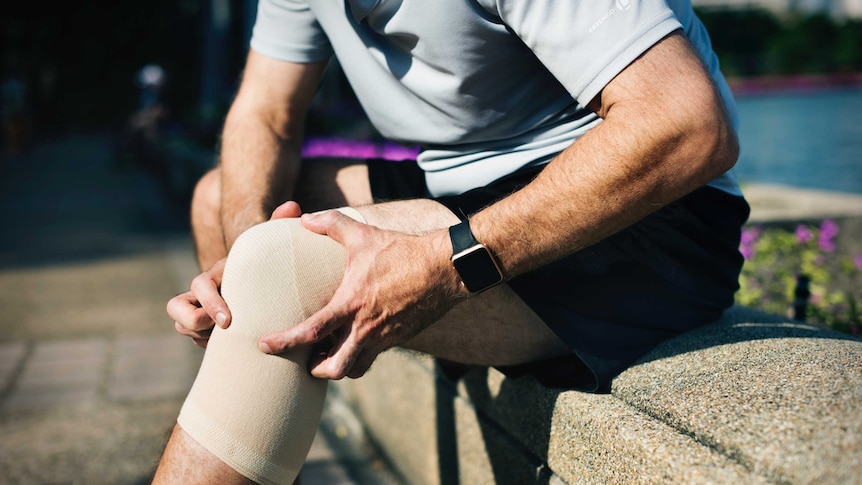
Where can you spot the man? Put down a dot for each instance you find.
(575, 207)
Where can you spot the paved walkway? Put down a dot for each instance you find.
(780, 203)
(91, 373)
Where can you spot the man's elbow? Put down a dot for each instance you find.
(715, 143)
(725, 151)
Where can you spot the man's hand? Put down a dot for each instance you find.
(198, 310)
(395, 285)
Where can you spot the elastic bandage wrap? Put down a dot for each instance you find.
(258, 413)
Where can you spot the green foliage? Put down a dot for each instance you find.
(754, 42)
(776, 258)
(848, 53)
(741, 38)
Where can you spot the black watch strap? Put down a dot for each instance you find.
(462, 237)
(473, 262)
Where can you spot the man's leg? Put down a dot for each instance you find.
(256, 412)
(206, 220)
(495, 328)
(323, 184)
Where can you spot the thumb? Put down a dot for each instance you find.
(330, 223)
(289, 209)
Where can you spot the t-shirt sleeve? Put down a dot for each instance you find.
(287, 30)
(586, 43)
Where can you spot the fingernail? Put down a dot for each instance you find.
(221, 318)
(264, 347)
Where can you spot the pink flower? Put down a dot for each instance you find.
(803, 234)
(828, 231)
(857, 261)
(750, 236)
(747, 241)
(829, 228)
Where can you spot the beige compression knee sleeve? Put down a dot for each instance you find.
(256, 412)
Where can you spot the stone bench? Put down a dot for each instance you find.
(752, 399)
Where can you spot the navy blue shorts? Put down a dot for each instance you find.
(673, 271)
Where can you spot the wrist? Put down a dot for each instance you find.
(475, 264)
(448, 279)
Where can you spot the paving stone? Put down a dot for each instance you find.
(11, 354)
(152, 367)
(325, 473)
(321, 467)
(47, 398)
(61, 373)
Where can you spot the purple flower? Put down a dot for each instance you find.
(803, 234)
(747, 241)
(827, 245)
(750, 236)
(828, 230)
(857, 261)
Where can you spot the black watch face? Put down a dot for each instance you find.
(477, 269)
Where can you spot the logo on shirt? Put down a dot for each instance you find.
(620, 6)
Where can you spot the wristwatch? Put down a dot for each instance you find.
(474, 263)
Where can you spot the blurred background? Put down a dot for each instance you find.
(169, 69)
(112, 110)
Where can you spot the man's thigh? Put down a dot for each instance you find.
(326, 183)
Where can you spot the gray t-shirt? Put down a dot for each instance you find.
(486, 87)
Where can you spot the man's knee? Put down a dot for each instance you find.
(280, 268)
(206, 199)
(257, 412)
(206, 219)
(276, 261)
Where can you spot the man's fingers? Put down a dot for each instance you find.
(331, 223)
(187, 312)
(194, 334)
(316, 328)
(339, 363)
(205, 288)
(287, 210)
(362, 364)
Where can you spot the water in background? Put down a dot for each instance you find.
(810, 140)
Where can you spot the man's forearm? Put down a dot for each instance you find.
(651, 149)
(259, 168)
(262, 138)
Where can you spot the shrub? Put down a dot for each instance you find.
(783, 267)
